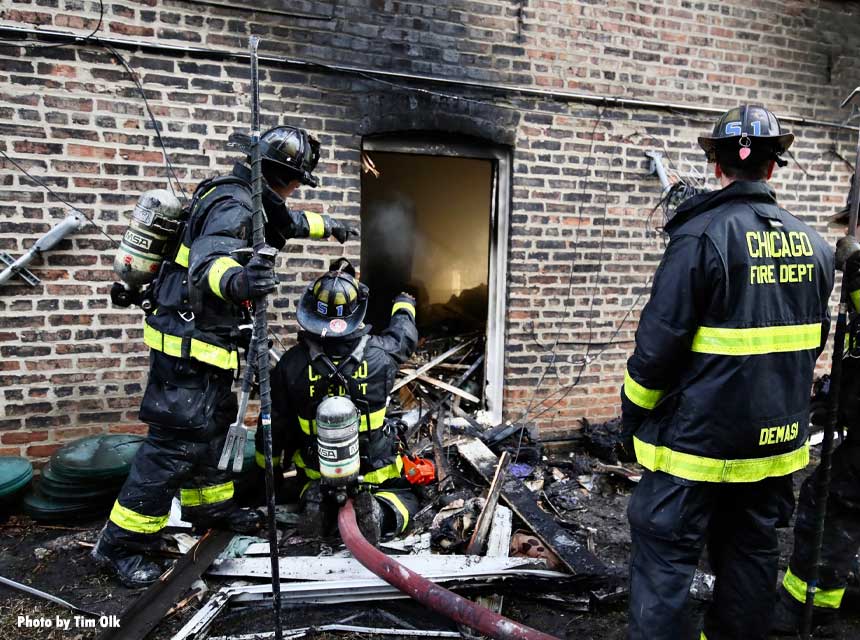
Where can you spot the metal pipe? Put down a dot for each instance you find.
(221, 54)
(658, 168)
(71, 223)
(426, 592)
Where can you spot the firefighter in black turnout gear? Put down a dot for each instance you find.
(337, 356)
(715, 401)
(199, 301)
(842, 525)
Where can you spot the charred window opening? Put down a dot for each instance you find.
(434, 224)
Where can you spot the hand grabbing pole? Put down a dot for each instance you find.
(261, 333)
(822, 487)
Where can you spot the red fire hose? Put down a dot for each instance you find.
(426, 592)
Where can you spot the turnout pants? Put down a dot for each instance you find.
(671, 521)
(841, 532)
(189, 407)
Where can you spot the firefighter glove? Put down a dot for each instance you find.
(340, 230)
(256, 279)
(624, 449)
(847, 252)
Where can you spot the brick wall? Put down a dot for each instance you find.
(72, 365)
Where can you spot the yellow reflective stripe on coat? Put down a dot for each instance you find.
(300, 463)
(377, 419)
(855, 299)
(397, 503)
(260, 459)
(824, 598)
(408, 306)
(316, 224)
(757, 340)
(172, 346)
(388, 472)
(203, 496)
(702, 469)
(639, 395)
(217, 271)
(182, 256)
(137, 522)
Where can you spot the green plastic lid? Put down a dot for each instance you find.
(44, 508)
(15, 473)
(96, 456)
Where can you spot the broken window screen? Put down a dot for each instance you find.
(426, 229)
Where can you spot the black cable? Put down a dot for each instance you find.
(584, 184)
(58, 197)
(799, 166)
(41, 47)
(90, 38)
(566, 390)
(168, 164)
(845, 161)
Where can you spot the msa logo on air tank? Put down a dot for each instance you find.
(768, 245)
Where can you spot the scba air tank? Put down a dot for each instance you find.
(337, 441)
(155, 224)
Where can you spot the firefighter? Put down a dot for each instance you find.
(198, 303)
(842, 524)
(715, 402)
(336, 347)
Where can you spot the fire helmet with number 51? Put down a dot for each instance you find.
(749, 127)
(335, 304)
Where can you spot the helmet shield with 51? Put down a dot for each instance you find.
(747, 127)
(334, 305)
(290, 153)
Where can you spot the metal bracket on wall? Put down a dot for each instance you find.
(28, 276)
(54, 236)
(658, 168)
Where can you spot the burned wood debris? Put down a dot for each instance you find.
(503, 513)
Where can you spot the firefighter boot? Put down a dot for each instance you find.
(368, 513)
(788, 616)
(132, 569)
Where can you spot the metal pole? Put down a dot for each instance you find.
(261, 333)
(822, 487)
(69, 224)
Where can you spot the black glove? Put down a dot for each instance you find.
(256, 279)
(340, 230)
(847, 249)
(121, 296)
(624, 449)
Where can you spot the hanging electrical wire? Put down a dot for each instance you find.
(170, 170)
(92, 38)
(41, 47)
(57, 197)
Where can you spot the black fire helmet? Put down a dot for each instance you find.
(289, 153)
(745, 127)
(335, 304)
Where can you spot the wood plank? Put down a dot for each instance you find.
(485, 518)
(147, 611)
(498, 546)
(572, 553)
(450, 388)
(437, 360)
